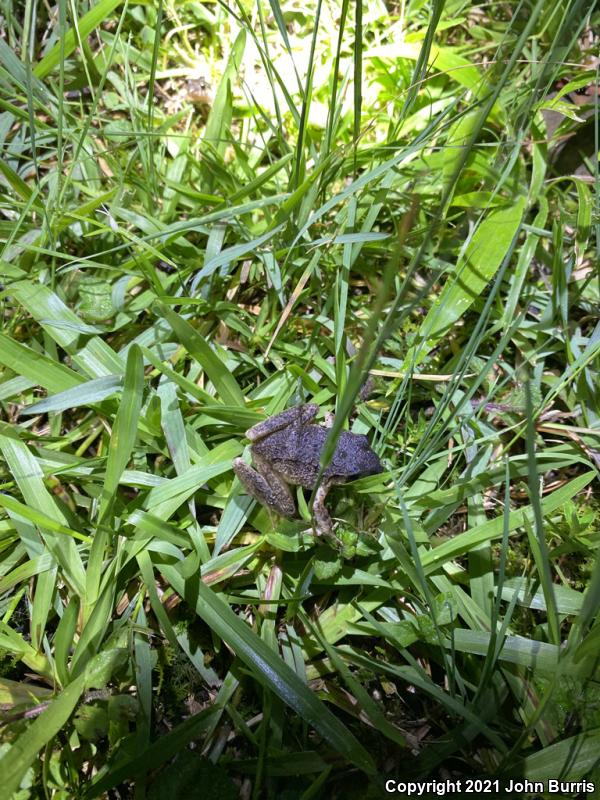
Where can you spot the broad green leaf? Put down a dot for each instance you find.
(21, 75)
(568, 760)
(424, 495)
(189, 481)
(26, 571)
(236, 251)
(15, 181)
(486, 250)
(515, 649)
(443, 59)
(530, 595)
(125, 430)
(96, 359)
(165, 499)
(458, 138)
(85, 394)
(198, 347)
(34, 366)
(13, 642)
(15, 693)
(124, 436)
(584, 220)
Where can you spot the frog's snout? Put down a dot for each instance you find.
(373, 467)
(377, 468)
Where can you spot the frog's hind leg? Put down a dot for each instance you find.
(292, 416)
(274, 494)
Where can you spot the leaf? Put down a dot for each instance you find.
(40, 369)
(96, 359)
(39, 518)
(30, 479)
(15, 181)
(15, 693)
(124, 435)
(444, 59)
(492, 529)
(568, 760)
(219, 119)
(156, 754)
(515, 649)
(25, 749)
(89, 22)
(196, 346)
(236, 251)
(488, 247)
(125, 429)
(85, 394)
(267, 667)
(530, 595)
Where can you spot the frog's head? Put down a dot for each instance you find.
(367, 462)
(354, 457)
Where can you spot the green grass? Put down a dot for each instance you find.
(373, 190)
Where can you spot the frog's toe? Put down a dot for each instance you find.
(240, 467)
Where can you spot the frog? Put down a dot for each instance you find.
(286, 451)
(199, 91)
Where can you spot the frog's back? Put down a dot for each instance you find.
(295, 451)
(301, 443)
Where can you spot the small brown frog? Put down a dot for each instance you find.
(199, 92)
(286, 450)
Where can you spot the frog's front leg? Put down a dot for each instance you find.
(265, 485)
(322, 517)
